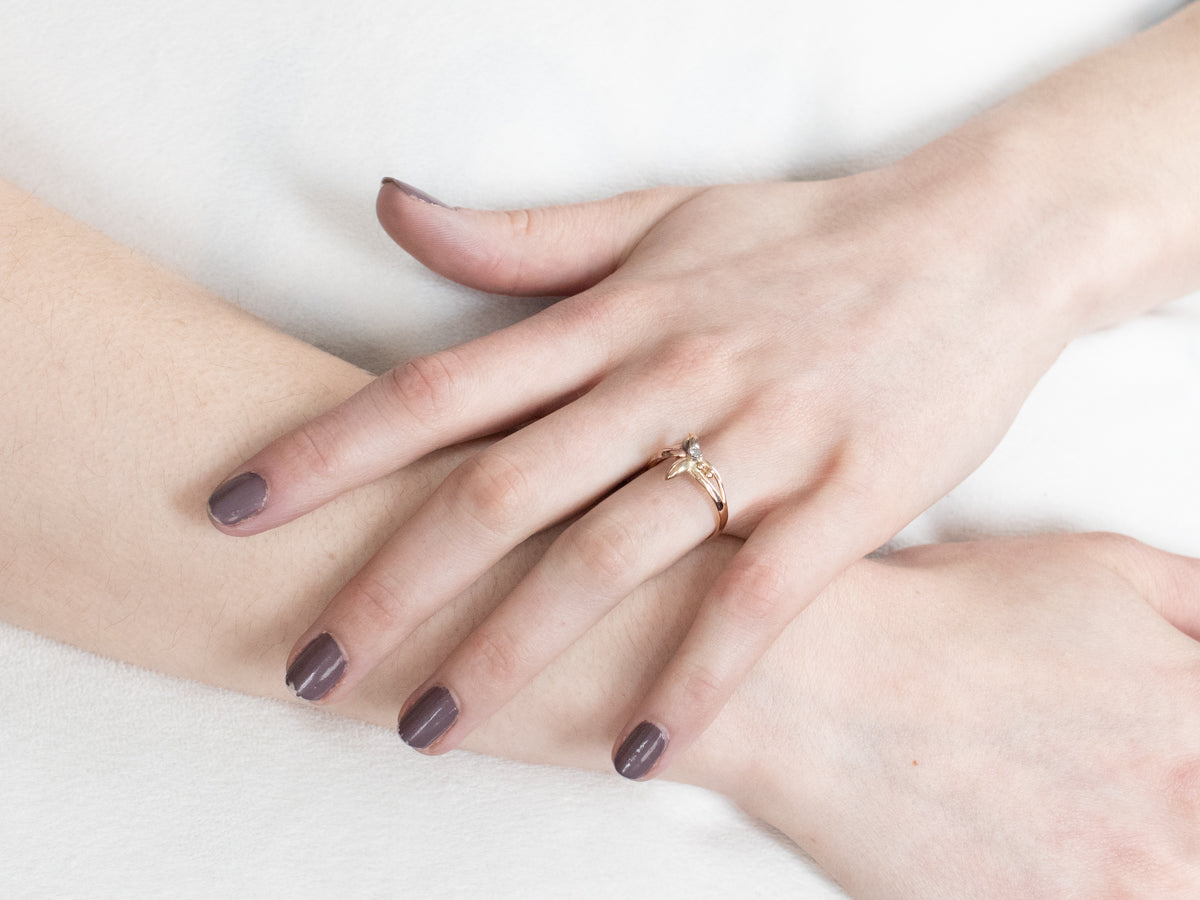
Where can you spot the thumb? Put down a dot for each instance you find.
(546, 251)
(1169, 582)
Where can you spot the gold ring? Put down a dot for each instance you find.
(690, 461)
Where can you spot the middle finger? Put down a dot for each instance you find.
(486, 507)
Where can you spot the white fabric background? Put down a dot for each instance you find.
(242, 145)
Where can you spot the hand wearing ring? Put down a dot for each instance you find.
(841, 353)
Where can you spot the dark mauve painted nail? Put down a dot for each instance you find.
(429, 718)
(416, 193)
(317, 668)
(640, 751)
(238, 498)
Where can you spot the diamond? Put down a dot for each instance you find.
(692, 447)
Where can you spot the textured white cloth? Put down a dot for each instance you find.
(242, 144)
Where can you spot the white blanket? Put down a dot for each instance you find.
(242, 145)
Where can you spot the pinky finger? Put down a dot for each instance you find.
(790, 557)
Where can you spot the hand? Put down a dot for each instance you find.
(996, 719)
(844, 354)
(1042, 686)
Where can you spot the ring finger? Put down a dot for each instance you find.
(488, 505)
(628, 538)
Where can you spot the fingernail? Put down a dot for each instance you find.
(640, 751)
(416, 192)
(317, 668)
(238, 498)
(429, 718)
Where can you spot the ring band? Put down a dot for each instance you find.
(690, 461)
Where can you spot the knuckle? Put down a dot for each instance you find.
(594, 312)
(491, 490)
(1182, 788)
(1140, 861)
(627, 204)
(1111, 545)
(692, 358)
(495, 656)
(1126, 557)
(612, 319)
(427, 388)
(503, 264)
(522, 222)
(606, 549)
(755, 592)
(700, 689)
(377, 599)
(849, 481)
(316, 450)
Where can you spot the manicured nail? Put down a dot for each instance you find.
(238, 498)
(416, 192)
(429, 718)
(640, 751)
(317, 668)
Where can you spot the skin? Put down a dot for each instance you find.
(847, 351)
(1000, 719)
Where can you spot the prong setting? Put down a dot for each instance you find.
(688, 460)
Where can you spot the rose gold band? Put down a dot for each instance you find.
(689, 461)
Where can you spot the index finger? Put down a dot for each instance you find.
(429, 402)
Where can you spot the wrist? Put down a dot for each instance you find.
(1063, 256)
(1085, 183)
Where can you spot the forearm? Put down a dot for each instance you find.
(127, 389)
(1083, 191)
